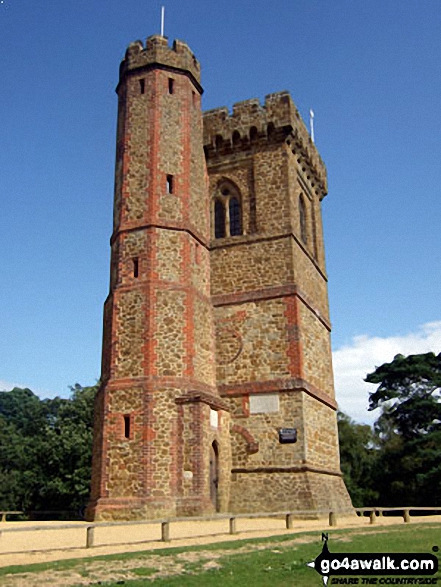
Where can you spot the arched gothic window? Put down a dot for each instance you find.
(219, 219)
(235, 219)
(227, 211)
(303, 220)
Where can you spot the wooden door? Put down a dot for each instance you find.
(214, 474)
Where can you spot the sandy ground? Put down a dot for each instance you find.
(47, 543)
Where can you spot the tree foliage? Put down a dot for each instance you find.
(409, 395)
(45, 450)
(357, 455)
(408, 470)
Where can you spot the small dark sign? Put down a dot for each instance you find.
(287, 435)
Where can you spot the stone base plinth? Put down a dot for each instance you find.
(288, 490)
(135, 510)
(193, 506)
(129, 510)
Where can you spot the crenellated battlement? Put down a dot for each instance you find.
(158, 52)
(277, 118)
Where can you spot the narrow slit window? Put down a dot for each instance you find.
(136, 267)
(171, 85)
(142, 86)
(303, 220)
(170, 184)
(126, 426)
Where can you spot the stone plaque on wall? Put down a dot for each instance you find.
(264, 403)
(214, 418)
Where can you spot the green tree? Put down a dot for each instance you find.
(408, 471)
(22, 424)
(409, 394)
(45, 450)
(23, 409)
(358, 454)
(67, 466)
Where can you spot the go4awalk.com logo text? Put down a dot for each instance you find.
(375, 569)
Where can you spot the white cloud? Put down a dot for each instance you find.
(354, 361)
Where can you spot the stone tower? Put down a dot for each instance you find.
(269, 292)
(216, 388)
(161, 427)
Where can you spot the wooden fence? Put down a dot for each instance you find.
(374, 512)
(89, 540)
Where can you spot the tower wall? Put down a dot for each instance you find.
(158, 392)
(269, 291)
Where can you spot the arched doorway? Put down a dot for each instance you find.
(214, 474)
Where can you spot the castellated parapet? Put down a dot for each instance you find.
(277, 119)
(157, 52)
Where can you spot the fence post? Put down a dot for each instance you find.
(90, 538)
(372, 517)
(233, 529)
(165, 531)
(406, 516)
(288, 521)
(332, 519)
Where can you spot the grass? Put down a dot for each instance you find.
(269, 562)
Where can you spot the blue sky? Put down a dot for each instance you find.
(370, 71)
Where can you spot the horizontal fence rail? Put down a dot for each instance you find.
(8, 513)
(90, 529)
(375, 512)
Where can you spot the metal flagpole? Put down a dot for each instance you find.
(311, 124)
(162, 20)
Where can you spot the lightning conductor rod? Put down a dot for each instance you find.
(311, 124)
(162, 20)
